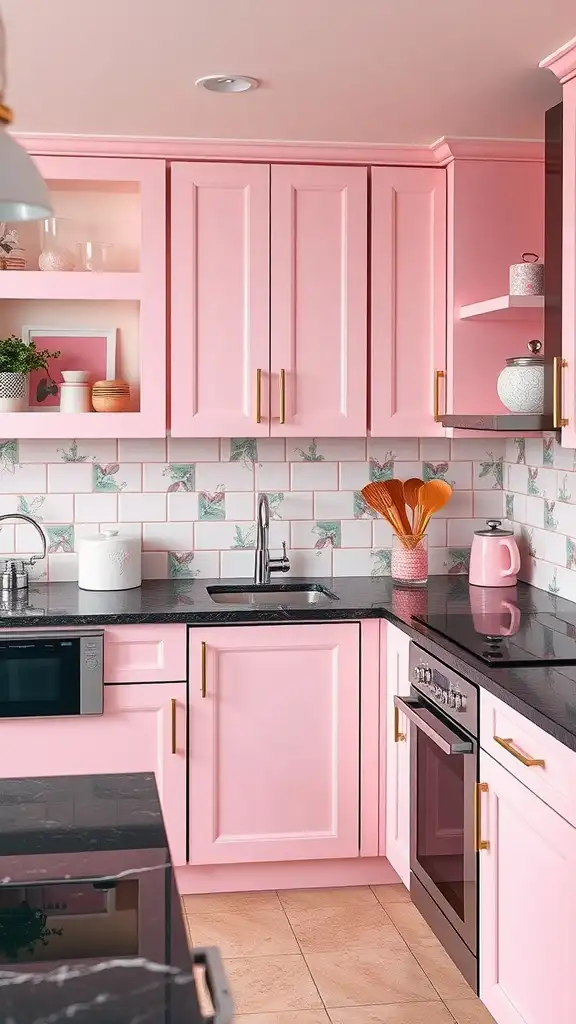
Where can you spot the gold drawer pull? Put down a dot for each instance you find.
(173, 714)
(529, 762)
(479, 843)
(203, 670)
(558, 420)
(258, 396)
(438, 376)
(282, 396)
(399, 737)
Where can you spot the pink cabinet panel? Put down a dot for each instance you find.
(408, 336)
(274, 743)
(395, 753)
(144, 653)
(141, 730)
(568, 383)
(319, 260)
(220, 299)
(527, 904)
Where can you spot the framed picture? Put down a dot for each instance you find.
(81, 348)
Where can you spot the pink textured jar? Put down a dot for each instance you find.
(410, 560)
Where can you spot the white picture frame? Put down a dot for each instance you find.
(42, 337)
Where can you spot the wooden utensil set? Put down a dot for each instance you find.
(391, 497)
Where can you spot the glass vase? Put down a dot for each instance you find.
(57, 247)
(410, 560)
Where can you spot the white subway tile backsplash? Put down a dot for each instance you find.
(167, 536)
(63, 567)
(334, 504)
(7, 539)
(63, 477)
(518, 478)
(314, 476)
(95, 508)
(193, 500)
(145, 507)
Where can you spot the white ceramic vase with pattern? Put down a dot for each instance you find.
(12, 392)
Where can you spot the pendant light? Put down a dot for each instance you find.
(23, 191)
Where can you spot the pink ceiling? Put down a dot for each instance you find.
(404, 71)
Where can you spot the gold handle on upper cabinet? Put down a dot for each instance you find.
(399, 737)
(258, 396)
(438, 376)
(173, 716)
(203, 670)
(282, 396)
(528, 762)
(479, 843)
(557, 419)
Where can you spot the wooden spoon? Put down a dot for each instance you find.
(395, 489)
(411, 491)
(377, 496)
(432, 496)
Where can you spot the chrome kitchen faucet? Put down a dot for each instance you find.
(263, 564)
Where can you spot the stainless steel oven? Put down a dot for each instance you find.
(442, 710)
(49, 674)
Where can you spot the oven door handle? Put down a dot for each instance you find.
(433, 727)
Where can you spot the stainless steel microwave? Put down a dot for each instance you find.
(47, 674)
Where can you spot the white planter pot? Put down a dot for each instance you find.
(12, 392)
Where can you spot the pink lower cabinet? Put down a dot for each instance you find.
(408, 336)
(145, 653)
(395, 753)
(143, 729)
(527, 904)
(274, 743)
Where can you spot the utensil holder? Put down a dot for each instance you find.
(410, 560)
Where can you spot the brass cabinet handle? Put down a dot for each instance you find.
(258, 396)
(282, 396)
(557, 419)
(438, 376)
(479, 843)
(399, 737)
(528, 762)
(173, 715)
(203, 670)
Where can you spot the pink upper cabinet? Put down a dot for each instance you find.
(567, 384)
(319, 261)
(408, 339)
(220, 299)
(527, 904)
(274, 743)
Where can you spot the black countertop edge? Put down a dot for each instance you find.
(544, 695)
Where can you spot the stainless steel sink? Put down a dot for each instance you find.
(291, 595)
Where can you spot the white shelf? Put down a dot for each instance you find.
(505, 307)
(81, 425)
(69, 284)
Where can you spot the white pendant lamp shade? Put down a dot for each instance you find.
(23, 192)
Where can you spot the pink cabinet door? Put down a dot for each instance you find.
(527, 904)
(395, 754)
(319, 260)
(220, 299)
(274, 743)
(147, 653)
(568, 381)
(141, 730)
(408, 337)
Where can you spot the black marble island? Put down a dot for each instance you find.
(90, 920)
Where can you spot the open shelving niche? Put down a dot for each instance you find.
(122, 203)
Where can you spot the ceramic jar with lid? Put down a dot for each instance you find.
(521, 382)
(527, 278)
(109, 561)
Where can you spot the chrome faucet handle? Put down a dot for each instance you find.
(279, 564)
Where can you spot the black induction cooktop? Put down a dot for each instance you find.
(538, 638)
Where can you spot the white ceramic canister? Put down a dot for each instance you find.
(109, 561)
(527, 278)
(521, 383)
(75, 397)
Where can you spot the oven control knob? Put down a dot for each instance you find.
(427, 675)
(418, 674)
(458, 701)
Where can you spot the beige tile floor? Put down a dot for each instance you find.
(332, 956)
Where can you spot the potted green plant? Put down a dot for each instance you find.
(17, 360)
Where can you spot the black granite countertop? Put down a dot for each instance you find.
(545, 695)
(90, 921)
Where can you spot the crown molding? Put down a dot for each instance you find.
(438, 154)
(562, 62)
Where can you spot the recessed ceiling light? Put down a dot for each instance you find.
(227, 83)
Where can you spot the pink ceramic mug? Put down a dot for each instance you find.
(494, 558)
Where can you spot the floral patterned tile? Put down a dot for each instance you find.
(60, 538)
(212, 506)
